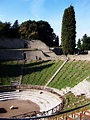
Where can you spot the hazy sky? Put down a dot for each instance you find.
(47, 10)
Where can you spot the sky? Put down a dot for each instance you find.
(47, 10)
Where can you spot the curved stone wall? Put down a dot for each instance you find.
(49, 101)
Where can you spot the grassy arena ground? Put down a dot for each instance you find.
(39, 72)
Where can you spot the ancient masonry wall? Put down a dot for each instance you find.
(79, 57)
(11, 54)
(10, 49)
(12, 43)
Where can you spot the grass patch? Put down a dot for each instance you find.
(38, 73)
(71, 74)
(9, 71)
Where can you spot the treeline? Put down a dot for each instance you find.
(8, 31)
(84, 43)
(40, 30)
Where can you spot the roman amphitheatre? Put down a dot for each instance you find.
(36, 83)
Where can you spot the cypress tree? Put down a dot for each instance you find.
(68, 33)
(79, 46)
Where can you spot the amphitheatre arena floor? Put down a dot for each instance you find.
(27, 101)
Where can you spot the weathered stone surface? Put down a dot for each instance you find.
(24, 49)
(12, 43)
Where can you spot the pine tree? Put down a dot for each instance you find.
(68, 32)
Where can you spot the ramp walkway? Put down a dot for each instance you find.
(55, 73)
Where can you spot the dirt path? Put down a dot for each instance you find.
(24, 106)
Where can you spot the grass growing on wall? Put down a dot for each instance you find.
(38, 73)
(9, 71)
(71, 74)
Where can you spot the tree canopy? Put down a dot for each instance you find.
(68, 32)
(8, 31)
(4, 29)
(40, 30)
(85, 42)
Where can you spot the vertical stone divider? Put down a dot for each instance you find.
(21, 74)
